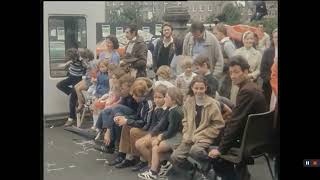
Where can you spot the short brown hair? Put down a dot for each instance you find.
(72, 54)
(221, 28)
(118, 72)
(164, 72)
(200, 60)
(197, 26)
(166, 24)
(127, 78)
(176, 95)
(147, 80)
(139, 88)
(196, 79)
(86, 54)
(162, 89)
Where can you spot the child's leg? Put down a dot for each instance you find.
(143, 145)
(157, 151)
(95, 113)
(135, 134)
(64, 85)
(79, 87)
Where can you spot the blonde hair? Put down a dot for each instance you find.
(164, 72)
(104, 62)
(186, 62)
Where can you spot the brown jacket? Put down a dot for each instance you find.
(210, 124)
(250, 100)
(139, 51)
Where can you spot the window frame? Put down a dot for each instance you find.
(54, 70)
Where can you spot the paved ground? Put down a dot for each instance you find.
(68, 156)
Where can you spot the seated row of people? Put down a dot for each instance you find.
(143, 120)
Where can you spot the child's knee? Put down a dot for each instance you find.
(139, 144)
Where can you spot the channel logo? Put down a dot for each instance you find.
(311, 163)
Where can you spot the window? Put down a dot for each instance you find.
(114, 3)
(179, 3)
(209, 8)
(194, 9)
(108, 3)
(64, 32)
(202, 18)
(201, 8)
(121, 3)
(145, 3)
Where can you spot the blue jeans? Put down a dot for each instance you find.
(105, 120)
(70, 80)
(73, 99)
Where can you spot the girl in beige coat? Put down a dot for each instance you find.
(202, 123)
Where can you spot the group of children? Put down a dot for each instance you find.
(146, 120)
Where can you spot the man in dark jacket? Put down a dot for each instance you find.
(266, 64)
(261, 10)
(165, 48)
(250, 100)
(265, 70)
(136, 51)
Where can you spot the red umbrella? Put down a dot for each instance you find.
(235, 32)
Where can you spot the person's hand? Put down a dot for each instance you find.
(120, 120)
(155, 142)
(107, 137)
(214, 153)
(61, 65)
(159, 137)
(226, 112)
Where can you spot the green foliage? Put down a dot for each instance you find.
(131, 15)
(211, 18)
(269, 24)
(230, 15)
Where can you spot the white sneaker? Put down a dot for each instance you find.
(147, 175)
(164, 169)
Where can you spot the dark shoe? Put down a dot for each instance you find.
(104, 148)
(200, 176)
(126, 163)
(139, 166)
(144, 169)
(118, 160)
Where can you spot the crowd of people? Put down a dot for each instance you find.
(202, 93)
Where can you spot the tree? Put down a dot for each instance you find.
(211, 18)
(230, 15)
(131, 14)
